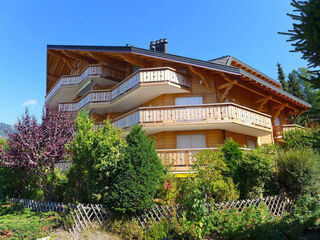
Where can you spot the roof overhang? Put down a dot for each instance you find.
(222, 66)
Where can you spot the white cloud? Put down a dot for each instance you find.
(30, 102)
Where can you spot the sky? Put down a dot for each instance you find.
(203, 29)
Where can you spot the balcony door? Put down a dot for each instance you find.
(189, 112)
(191, 141)
(185, 101)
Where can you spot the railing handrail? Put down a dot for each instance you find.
(79, 74)
(110, 90)
(190, 106)
(121, 82)
(193, 149)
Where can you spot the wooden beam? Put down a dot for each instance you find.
(226, 92)
(52, 77)
(202, 76)
(278, 111)
(55, 65)
(134, 61)
(79, 57)
(104, 59)
(295, 116)
(59, 54)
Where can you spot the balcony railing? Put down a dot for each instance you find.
(207, 113)
(91, 70)
(182, 158)
(279, 130)
(148, 75)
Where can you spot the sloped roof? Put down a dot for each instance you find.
(220, 64)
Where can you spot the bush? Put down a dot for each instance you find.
(302, 139)
(254, 172)
(233, 155)
(298, 171)
(138, 176)
(212, 176)
(95, 154)
(125, 228)
(306, 211)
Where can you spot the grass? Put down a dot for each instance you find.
(21, 223)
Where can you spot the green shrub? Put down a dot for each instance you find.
(298, 171)
(232, 154)
(20, 223)
(138, 175)
(254, 172)
(95, 154)
(302, 138)
(306, 211)
(126, 228)
(211, 176)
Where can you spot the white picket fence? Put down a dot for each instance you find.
(85, 215)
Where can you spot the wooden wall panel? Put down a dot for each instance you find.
(214, 138)
(265, 139)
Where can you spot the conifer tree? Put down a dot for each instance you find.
(282, 77)
(138, 176)
(305, 35)
(294, 87)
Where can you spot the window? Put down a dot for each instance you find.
(277, 122)
(191, 141)
(251, 144)
(181, 101)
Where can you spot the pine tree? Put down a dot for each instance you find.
(282, 78)
(138, 175)
(305, 35)
(294, 87)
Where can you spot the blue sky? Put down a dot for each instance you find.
(202, 29)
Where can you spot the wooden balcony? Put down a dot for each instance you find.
(227, 116)
(279, 130)
(67, 85)
(139, 87)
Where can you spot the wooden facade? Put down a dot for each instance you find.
(173, 97)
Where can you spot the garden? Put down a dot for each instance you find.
(124, 174)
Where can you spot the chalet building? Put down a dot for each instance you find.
(185, 104)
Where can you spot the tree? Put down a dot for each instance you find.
(282, 78)
(138, 177)
(34, 148)
(212, 177)
(294, 86)
(305, 35)
(299, 171)
(95, 155)
(310, 95)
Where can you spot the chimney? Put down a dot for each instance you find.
(152, 46)
(160, 45)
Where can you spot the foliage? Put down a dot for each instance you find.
(169, 192)
(212, 176)
(282, 77)
(254, 172)
(95, 155)
(306, 211)
(125, 228)
(35, 148)
(232, 154)
(138, 175)
(298, 171)
(20, 223)
(302, 139)
(305, 33)
(294, 86)
(251, 171)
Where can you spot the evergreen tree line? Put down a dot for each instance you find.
(298, 83)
